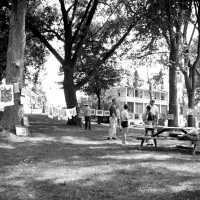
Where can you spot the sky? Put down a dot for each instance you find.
(54, 93)
(50, 79)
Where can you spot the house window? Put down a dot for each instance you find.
(139, 93)
(130, 92)
(163, 96)
(163, 109)
(136, 116)
(139, 108)
(130, 107)
(146, 94)
(136, 93)
(157, 95)
(158, 106)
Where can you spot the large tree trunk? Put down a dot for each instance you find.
(69, 89)
(190, 83)
(15, 62)
(191, 103)
(173, 107)
(150, 90)
(70, 95)
(99, 119)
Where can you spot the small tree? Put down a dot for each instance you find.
(106, 77)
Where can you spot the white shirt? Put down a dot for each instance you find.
(154, 110)
(124, 115)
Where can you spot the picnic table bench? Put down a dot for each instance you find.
(173, 133)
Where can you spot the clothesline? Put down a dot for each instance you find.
(61, 113)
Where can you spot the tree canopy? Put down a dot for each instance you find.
(90, 27)
(35, 52)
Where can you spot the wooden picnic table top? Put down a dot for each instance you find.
(185, 130)
(175, 127)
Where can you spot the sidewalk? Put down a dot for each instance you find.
(59, 162)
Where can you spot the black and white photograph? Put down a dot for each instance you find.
(99, 100)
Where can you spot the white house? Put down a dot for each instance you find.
(138, 99)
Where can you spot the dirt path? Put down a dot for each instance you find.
(58, 163)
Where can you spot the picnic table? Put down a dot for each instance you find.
(173, 133)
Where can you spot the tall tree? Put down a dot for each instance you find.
(190, 55)
(164, 19)
(4, 27)
(171, 20)
(73, 26)
(35, 52)
(15, 61)
(166, 16)
(105, 77)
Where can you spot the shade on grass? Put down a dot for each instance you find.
(60, 162)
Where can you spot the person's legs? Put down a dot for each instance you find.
(124, 133)
(110, 129)
(114, 133)
(89, 123)
(146, 132)
(86, 122)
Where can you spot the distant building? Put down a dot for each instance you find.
(138, 99)
(33, 102)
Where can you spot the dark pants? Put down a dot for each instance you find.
(87, 122)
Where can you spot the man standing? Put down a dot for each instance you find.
(87, 114)
(154, 111)
(113, 121)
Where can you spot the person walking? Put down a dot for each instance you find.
(124, 123)
(149, 121)
(87, 114)
(113, 121)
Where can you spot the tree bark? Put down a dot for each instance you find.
(69, 88)
(99, 107)
(191, 103)
(70, 93)
(173, 107)
(15, 62)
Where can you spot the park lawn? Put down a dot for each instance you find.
(59, 162)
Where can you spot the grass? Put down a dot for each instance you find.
(59, 162)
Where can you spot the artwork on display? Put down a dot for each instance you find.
(6, 95)
(106, 113)
(99, 112)
(92, 112)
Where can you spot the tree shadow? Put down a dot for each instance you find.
(70, 163)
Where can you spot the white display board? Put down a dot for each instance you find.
(106, 113)
(92, 112)
(6, 95)
(99, 112)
